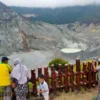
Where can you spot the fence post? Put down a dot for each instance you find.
(53, 78)
(78, 74)
(94, 76)
(33, 79)
(60, 75)
(66, 78)
(96, 72)
(46, 75)
(78, 65)
(71, 77)
(52, 67)
(39, 71)
(84, 75)
(89, 74)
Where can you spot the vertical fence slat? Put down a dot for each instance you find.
(71, 77)
(46, 75)
(89, 74)
(33, 79)
(78, 74)
(60, 75)
(66, 78)
(96, 72)
(84, 75)
(78, 67)
(39, 71)
(93, 77)
(53, 78)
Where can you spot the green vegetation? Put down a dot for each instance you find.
(63, 15)
(58, 61)
(94, 98)
(1, 91)
(30, 85)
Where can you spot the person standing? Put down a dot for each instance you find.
(5, 82)
(19, 78)
(43, 87)
(97, 69)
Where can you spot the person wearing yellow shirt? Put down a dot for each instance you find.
(5, 82)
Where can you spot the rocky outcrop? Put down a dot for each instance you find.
(19, 34)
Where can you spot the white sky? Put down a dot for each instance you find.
(49, 3)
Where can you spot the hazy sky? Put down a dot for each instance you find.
(49, 3)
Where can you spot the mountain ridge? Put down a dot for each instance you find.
(19, 34)
(64, 15)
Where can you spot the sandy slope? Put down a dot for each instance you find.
(87, 95)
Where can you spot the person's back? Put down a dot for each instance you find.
(5, 69)
(5, 81)
(24, 75)
(20, 74)
(97, 69)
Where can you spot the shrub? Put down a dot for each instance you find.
(58, 61)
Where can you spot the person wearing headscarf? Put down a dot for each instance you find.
(20, 75)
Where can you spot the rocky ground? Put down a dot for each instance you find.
(19, 34)
(37, 58)
(36, 43)
(81, 95)
(86, 95)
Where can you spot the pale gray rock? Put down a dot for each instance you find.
(17, 34)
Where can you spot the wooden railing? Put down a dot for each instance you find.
(72, 78)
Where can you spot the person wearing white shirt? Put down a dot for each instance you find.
(19, 77)
(43, 87)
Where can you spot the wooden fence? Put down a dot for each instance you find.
(72, 78)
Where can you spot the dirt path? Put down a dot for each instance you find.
(87, 95)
